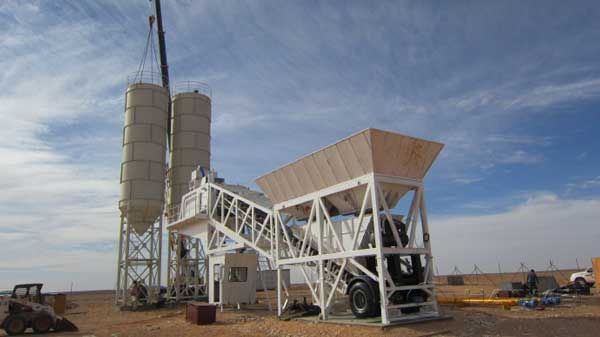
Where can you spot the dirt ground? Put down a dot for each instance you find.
(485, 284)
(96, 315)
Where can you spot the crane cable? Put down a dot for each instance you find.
(150, 48)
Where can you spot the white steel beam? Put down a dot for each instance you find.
(322, 304)
(427, 244)
(361, 215)
(379, 257)
(329, 256)
(388, 215)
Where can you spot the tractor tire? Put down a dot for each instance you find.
(363, 301)
(42, 323)
(580, 282)
(15, 325)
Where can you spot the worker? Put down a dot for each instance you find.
(135, 295)
(532, 281)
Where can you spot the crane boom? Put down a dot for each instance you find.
(164, 67)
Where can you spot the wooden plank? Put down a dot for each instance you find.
(350, 159)
(596, 269)
(306, 181)
(337, 165)
(362, 148)
(386, 159)
(267, 184)
(293, 181)
(312, 169)
(324, 168)
(403, 154)
(284, 186)
(417, 159)
(393, 143)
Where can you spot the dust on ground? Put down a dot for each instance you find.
(95, 315)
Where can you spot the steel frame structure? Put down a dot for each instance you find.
(139, 260)
(235, 222)
(329, 280)
(186, 272)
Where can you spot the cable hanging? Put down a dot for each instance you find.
(150, 49)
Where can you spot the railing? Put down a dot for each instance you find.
(191, 86)
(146, 77)
(190, 206)
(151, 77)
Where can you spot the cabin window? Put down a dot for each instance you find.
(238, 274)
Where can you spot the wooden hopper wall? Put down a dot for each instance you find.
(371, 150)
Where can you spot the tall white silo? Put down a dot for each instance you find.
(143, 162)
(190, 142)
(142, 188)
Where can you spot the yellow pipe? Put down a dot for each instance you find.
(504, 302)
(498, 301)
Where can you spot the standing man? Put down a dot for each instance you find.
(135, 295)
(532, 281)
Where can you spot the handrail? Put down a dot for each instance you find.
(144, 77)
(239, 197)
(191, 86)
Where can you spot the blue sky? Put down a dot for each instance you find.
(511, 88)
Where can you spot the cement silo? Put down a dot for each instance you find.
(143, 163)
(190, 138)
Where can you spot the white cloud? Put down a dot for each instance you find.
(557, 93)
(521, 157)
(586, 184)
(541, 228)
(467, 180)
(518, 139)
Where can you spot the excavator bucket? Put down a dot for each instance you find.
(63, 324)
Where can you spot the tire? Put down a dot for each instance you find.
(415, 298)
(363, 302)
(580, 282)
(15, 325)
(42, 323)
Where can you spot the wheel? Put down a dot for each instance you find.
(580, 282)
(416, 297)
(15, 325)
(363, 302)
(42, 323)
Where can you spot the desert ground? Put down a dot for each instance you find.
(96, 315)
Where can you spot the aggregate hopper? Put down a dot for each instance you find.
(371, 151)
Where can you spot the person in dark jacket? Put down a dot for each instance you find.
(135, 295)
(532, 281)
